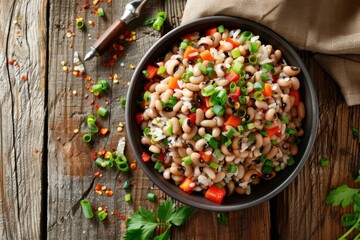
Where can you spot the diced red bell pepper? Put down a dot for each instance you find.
(233, 43)
(211, 31)
(206, 157)
(275, 77)
(173, 84)
(274, 131)
(206, 55)
(267, 90)
(296, 94)
(215, 194)
(148, 85)
(232, 76)
(161, 157)
(233, 121)
(235, 95)
(139, 118)
(145, 157)
(190, 37)
(186, 185)
(192, 117)
(191, 52)
(151, 71)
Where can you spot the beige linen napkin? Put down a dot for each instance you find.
(330, 28)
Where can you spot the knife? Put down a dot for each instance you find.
(131, 12)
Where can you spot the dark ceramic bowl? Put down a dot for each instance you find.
(266, 189)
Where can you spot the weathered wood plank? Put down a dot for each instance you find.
(70, 167)
(301, 212)
(22, 116)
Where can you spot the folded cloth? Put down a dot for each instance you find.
(329, 28)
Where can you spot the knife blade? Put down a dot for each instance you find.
(131, 12)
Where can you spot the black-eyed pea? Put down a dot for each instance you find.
(166, 95)
(216, 132)
(205, 41)
(177, 178)
(143, 125)
(295, 83)
(299, 133)
(287, 101)
(221, 82)
(255, 181)
(196, 70)
(154, 149)
(171, 65)
(219, 70)
(199, 116)
(269, 176)
(219, 177)
(208, 123)
(187, 93)
(167, 173)
(269, 49)
(146, 141)
(293, 112)
(196, 79)
(195, 157)
(301, 110)
(293, 149)
(230, 158)
(226, 46)
(158, 105)
(153, 86)
(251, 174)
(177, 170)
(209, 114)
(166, 114)
(261, 104)
(251, 113)
(161, 87)
(229, 111)
(186, 127)
(231, 187)
(153, 97)
(240, 171)
(175, 126)
(188, 170)
(278, 55)
(191, 135)
(192, 87)
(236, 143)
(182, 152)
(272, 153)
(284, 82)
(259, 140)
(291, 70)
(177, 106)
(239, 190)
(200, 144)
(266, 141)
(217, 38)
(277, 69)
(189, 151)
(209, 172)
(269, 116)
(244, 154)
(184, 109)
(250, 69)
(178, 160)
(266, 148)
(225, 150)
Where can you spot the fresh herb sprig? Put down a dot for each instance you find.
(141, 225)
(345, 196)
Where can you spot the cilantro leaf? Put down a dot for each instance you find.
(144, 220)
(181, 214)
(165, 235)
(341, 195)
(165, 211)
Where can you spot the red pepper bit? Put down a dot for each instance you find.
(107, 102)
(36, 150)
(11, 61)
(108, 193)
(93, 155)
(97, 174)
(96, 107)
(101, 152)
(98, 187)
(24, 77)
(104, 131)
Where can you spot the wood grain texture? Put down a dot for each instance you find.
(22, 117)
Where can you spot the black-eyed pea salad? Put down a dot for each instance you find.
(221, 112)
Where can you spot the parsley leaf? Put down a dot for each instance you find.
(144, 220)
(341, 195)
(180, 216)
(166, 210)
(133, 233)
(355, 133)
(358, 177)
(165, 235)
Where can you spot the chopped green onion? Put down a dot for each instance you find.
(285, 119)
(162, 15)
(241, 128)
(268, 123)
(243, 90)
(181, 121)
(90, 118)
(214, 165)
(251, 126)
(273, 142)
(218, 110)
(155, 155)
(263, 158)
(296, 141)
(291, 131)
(230, 133)
(80, 23)
(222, 96)
(172, 101)
(102, 215)
(184, 44)
(158, 23)
(222, 218)
(232, 168)
(324, 162)
(100, 162)
(86, 137)
(290, 161)
(245, 36)
(187, 160)
(263, 76)
(277, 168)
(109, 164)
(241, 83)
(269, 68)
(127, 184)
(252, 137)
(100, 12)
(259, 86)
(199, 60)
(203, 69)
(228, 143)
(259, 96)
(123, 102)
(211, 71)
(237, 66)
(208, 90)
(165, 142)
(221, 29)
(97, 88)
(92, 127)
(253, 60)
(254, 47)
(147, 131)
(104, 84)
(161, 70)
(145, 73)
(242, 99)
(210, 65)
(197, 137)
(158, 165)
(86, 208)
(212, 142)
(235, 53)
(232, 87)
(266, 169)
(147, 96)
(102, 112)
(149, 21)
(217, 153)
(151, 197)
(263, 132)
(127, 197)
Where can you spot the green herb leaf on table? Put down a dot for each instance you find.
(165, 211)
(165, 235)
(358, 177)
(355, 133)
(180, 215)
(341, 195)
(144, 220)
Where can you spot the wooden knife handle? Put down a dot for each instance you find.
(109, 36)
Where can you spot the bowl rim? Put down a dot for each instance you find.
(313, 129)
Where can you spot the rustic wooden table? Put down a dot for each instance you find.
(46, 168)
